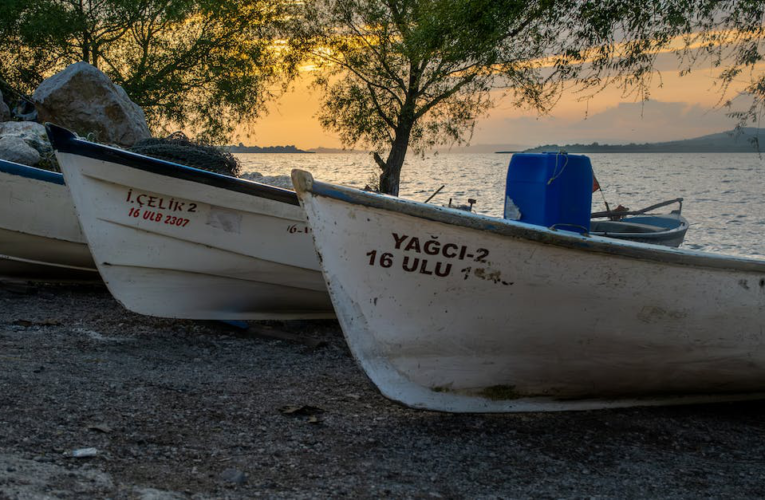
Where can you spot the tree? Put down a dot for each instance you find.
(205, 65)
(731, 35)
(418, 73)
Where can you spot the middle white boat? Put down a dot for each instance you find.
(178, 242)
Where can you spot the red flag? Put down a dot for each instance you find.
(595, 184)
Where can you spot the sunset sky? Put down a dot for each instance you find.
(681, 108)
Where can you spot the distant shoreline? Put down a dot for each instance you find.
(266, 150)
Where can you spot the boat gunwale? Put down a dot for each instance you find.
(304, 182)
(38, 174)
(65, 141)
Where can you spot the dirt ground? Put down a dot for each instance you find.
(182, 409)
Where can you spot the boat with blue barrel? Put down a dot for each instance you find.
(453, 311)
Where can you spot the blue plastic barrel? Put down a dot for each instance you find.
(550, 189)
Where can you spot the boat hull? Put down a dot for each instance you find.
(40, 237)
(458, 312)
(176, 242)
(668, 230)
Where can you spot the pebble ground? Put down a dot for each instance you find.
(181, 409)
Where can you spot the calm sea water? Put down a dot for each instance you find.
(724, 193)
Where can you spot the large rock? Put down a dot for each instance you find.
(33, 134)
(16, 150)
(5, 111)
(16, 140)
(83, 99)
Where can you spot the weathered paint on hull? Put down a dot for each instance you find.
(40, 237)
(171, 247)
(443, 314)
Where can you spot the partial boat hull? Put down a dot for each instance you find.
(459, 312)
(40, 237)
(668, 230)
(173, 241)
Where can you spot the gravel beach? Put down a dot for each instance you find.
(166, 409)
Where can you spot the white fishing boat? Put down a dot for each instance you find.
(178, 242)
(40, 237)
(453, 311)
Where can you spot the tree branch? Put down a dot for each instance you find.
(440, 98)
(379, 109)
(391, 74)
(367, 80)
(380, 162)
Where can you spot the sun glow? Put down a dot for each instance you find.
(292, 119)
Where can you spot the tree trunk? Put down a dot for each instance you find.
(82, 18)
(86, 48)
(391, 176)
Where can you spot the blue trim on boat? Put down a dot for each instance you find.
(64, 141)
(37, 174)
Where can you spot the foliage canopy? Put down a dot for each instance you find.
(204, 65)
(418, 73)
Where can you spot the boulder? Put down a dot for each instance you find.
(83, 99)
(5, 111)
(33, 134)
(16, 150)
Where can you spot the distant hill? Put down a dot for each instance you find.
(241, 148)
(735, 141)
